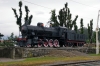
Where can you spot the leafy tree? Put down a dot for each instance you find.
(54, 18)
(91, 26)
(27, 19)
(89, 36)
(19, 18)
(10, 41)
(64, 18)
(85, 29)
(11, 37)
(90, 31)
(81, 26)
(69, 22)
(60, 17)
(75, 28)
(94, 37)
(74, 23)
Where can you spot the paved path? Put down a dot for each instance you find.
(9, 59)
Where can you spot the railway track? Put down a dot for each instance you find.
(78, 63)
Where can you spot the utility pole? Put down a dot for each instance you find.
(97, 29)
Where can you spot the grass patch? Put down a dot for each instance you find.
(94, 54)
(45, 60)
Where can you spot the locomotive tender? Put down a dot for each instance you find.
(41, 36)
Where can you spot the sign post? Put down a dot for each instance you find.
(97, 29)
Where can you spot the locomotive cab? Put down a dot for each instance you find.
(40, 24)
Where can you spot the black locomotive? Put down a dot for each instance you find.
(41, 36)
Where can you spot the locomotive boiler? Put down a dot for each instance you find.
(41, 36)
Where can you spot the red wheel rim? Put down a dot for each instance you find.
(45, 43)
(39, 43)
(56, 43)
(50, 42)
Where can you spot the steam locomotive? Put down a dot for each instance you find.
(41, 36)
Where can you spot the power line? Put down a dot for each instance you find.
(36, 4)
(51, 8)
(82, 4)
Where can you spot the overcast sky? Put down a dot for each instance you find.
(40, 9)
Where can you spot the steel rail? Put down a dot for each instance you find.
(72, 63)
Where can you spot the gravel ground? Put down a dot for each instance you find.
(64, 53)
